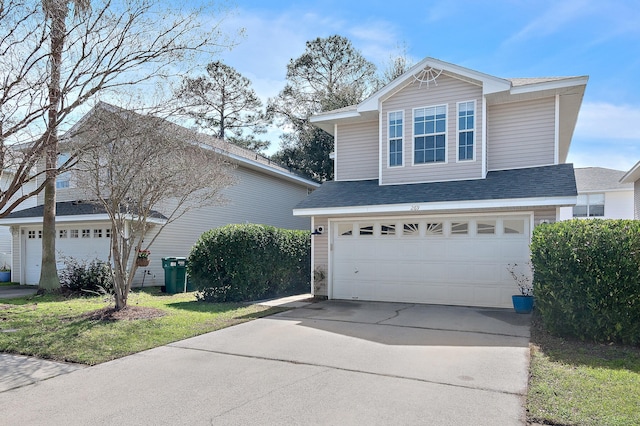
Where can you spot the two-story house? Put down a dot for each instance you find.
(440, 178)
(263, 193)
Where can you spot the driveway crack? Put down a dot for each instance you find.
(396, 314)
(327, 367)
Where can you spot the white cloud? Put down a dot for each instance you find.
(605, 121)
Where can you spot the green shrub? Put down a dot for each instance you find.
(587, 279)
(86, 277)
(250, 262)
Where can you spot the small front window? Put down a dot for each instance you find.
(97, 233)
(86, 233)
(73, 233)
(411, 229)
(459, 228)
(366, 229)
(466, 119)
(62, 233)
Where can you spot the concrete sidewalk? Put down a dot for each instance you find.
(325, 363)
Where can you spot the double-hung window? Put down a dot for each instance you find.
(64, 179)
(466, 123)
(589, 205)
(430, 134)
(395, 138)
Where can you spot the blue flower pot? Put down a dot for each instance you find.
(5, 276)
(522, 304)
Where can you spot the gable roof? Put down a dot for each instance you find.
(590, 179)
(537, 186)
(235, 153)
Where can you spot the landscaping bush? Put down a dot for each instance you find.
(587, 279)
(250, 262)
(86, 277)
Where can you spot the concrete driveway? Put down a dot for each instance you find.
(332, 362)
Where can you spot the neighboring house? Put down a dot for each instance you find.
(600, 195)
(632, 177)
(440, 178)
(263, 193)
(5, 232)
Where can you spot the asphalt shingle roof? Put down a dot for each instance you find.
(547, 181)
(600, 179)
(70, 208)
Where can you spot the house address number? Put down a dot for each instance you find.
(415, 208)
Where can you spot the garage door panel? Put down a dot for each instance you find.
(467, 269)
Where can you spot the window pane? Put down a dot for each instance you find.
(486, 227)
(580, 211)
(459, 228)
(596, 211)
(388, 229)
(433, 228)
(513, 226)
(366, 229)
(345, 229)
(411, 229)
(596, 199)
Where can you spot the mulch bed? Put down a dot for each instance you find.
(128, 313)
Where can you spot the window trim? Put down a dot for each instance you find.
(402, 138)
(458, 131)
(446, 135)
(589, 204)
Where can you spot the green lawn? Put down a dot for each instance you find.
(59, 328)
(577, 383)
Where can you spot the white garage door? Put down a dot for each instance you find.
(452, 261)
(82, 242)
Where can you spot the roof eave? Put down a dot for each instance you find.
(428, 208)
(632, 175)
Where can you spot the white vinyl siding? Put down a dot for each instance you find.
(357, 151)
(521, 134)
(445, 91)
(255, 198)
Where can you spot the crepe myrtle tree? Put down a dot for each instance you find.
(146, 173)
(57, 55)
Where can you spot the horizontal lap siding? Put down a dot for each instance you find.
(357, 151)
(321, 255)
(521, 135)
(255, 198)
(448, 91)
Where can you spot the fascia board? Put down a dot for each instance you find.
(632, 175)
(439, 206)
(551, 85)
(37, 220)
(333, 117)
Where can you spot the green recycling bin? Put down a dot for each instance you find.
(175, 274)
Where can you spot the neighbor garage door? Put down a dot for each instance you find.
(81, 242)
(453, 261)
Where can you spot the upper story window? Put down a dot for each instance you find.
(589, 205)
(466, 123)
(430, 134)
(395, 138)
(64, 179)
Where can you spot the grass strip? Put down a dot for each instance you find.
(579, 383)
(64, 329)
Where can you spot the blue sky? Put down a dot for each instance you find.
(505, 38)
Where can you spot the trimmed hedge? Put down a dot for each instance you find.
(587, 279)
(250, 262)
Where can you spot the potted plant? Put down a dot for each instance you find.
(523, 302)
(143, 258)
(5, 274)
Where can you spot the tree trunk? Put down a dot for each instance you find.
(48, 272)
